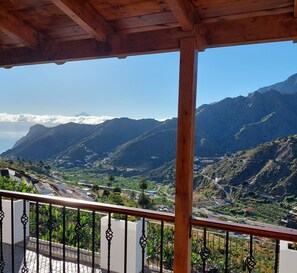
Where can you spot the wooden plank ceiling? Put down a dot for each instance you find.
(39, 31)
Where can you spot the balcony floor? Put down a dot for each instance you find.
(57, 261)
(44, 262)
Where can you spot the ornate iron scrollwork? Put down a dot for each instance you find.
(204, 254)
(2, 214)
(143, 241)
(2, 265)
(109, 234)
(25, 269)
(24, 219)
(250, 263)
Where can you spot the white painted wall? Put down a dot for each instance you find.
(134, 250)
(288, 259)
(18, 226)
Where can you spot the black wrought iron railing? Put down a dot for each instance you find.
(230, 247)
(64, 235)
(68, 234)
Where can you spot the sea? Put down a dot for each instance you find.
(7, 142)
(10, 133)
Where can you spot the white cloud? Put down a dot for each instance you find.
(51, 119)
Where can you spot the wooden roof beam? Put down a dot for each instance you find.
(81, 12)
(185, 13)
(295, 8)
(281, 27)
(16, 28)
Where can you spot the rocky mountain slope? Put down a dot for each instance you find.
(78, 141)
(227, 126)
(289, 86)
(230, 125)
(270, 168)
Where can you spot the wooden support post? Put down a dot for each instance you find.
(185, 155)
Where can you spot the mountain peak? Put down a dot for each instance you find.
(82, 114)
(289, 86)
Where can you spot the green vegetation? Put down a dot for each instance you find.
(13, 185)
(269, 169)
(255, 209)
(263, 251)
(77, 223)
(39, 168)
(92, 176)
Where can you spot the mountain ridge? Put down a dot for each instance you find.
(230, 125)
(227, 126)
(270, 168)
(53, 142)
(288, 86)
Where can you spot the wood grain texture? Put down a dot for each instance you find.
(185, 155)
(134, 8)
(295, 8)
(184, 12)
(154, 19)
(16, 28)
(252, 30)
(252, 14)
(117, 46)
(85, 16)
(218, 8)
(140, 27)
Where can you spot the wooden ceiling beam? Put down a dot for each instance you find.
(81, 12)
(282, 27)
(295, 8)
(251, 14)
(188, 18)
(147, 20)
(185, 13)
(17, 29)
(122, 45)
(226, 33)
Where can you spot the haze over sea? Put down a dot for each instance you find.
(7, 142)
(10, 133)
(14, 127)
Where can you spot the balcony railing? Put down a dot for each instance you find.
(52, 234)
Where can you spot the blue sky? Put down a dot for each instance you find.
(142, 86)
(135, 87)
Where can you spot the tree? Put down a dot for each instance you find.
(143, 185)
(144, 201)
(106, 192)
(115, 198)
(111, 179)
(40, 164)
(95, 188)
(117, 189)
